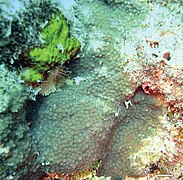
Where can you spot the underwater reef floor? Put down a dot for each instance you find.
(118, 113)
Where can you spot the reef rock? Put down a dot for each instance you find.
(104, 111)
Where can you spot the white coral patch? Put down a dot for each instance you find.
(79, 79)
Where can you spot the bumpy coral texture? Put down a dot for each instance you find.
(141, 121)
(84, 126)
(100, 113)
(12, 126)
(12, 97)
(12, 90)
(82, 119)
(19, 24)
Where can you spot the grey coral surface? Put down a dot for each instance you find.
(99, 113)
(12, 90)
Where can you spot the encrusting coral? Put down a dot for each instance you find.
(11, 86)
(20, 23)
(104, 112)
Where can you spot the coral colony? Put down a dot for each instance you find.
(91, 90)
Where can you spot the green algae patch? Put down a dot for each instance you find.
(58, 47)
(31, 75)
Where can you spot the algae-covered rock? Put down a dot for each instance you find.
(58, 47)
(20, 22)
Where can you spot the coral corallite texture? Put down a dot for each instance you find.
(73, 130)
(74, 127)
(100, 113)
